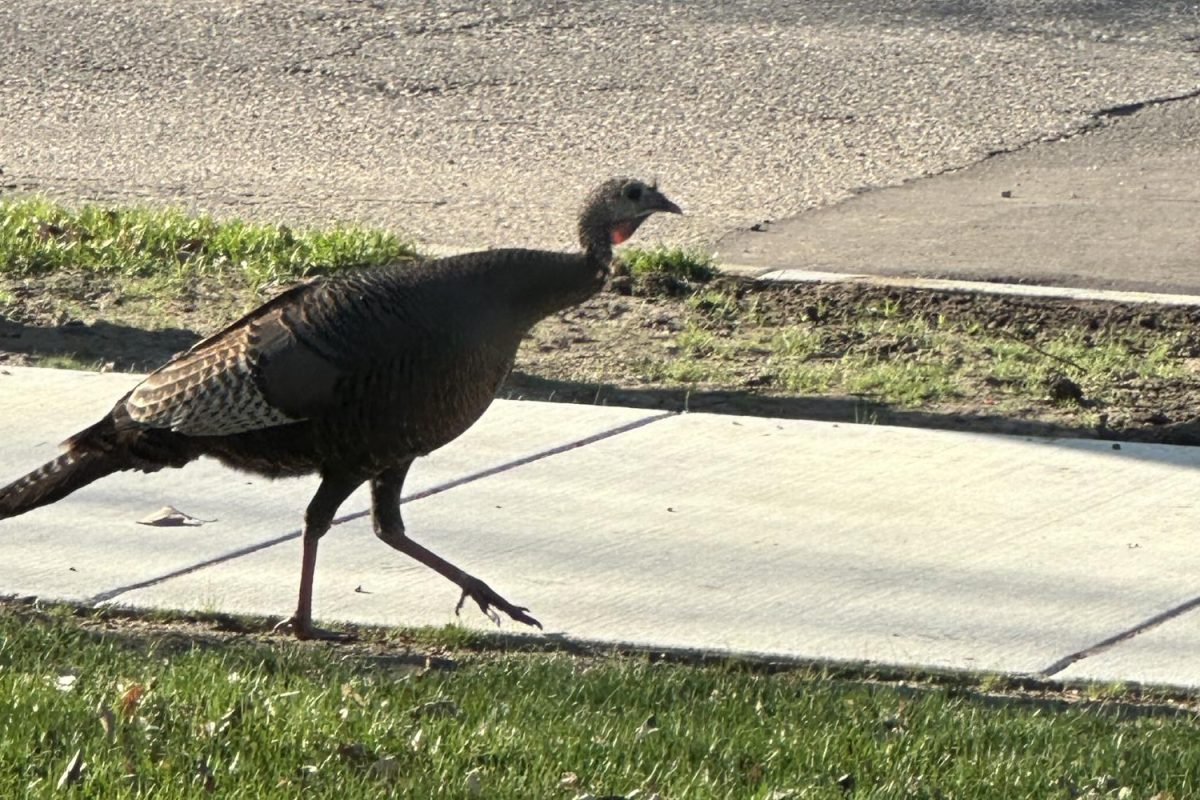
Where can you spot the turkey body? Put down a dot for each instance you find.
(358, 373)
(353, 378)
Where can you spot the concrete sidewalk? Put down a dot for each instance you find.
(800, 540)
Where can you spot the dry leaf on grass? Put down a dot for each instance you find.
(648, 727)
(386, 767)
(436, 708)
(130, 699)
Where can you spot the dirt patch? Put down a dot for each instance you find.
(609, 351)
(835, 352)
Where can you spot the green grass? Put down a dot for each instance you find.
(38, 237)
(687, 263)
(163, 718)
(1096, 361)
(670, 270)
(892, 357)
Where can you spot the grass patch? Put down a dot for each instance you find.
(1094, 360)
(689, 264)
(896, 359)
(685, 370)
(669, 270)
(39, 237)
(163, 716)
(883, 351)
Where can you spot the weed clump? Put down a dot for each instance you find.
(673, 271)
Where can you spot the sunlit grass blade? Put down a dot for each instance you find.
(38, 237)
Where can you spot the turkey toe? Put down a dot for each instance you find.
(305, 631)
(488, 601)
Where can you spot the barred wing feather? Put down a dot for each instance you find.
(256, 373)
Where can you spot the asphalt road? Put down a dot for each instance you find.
(1114, 208)
(472, 126)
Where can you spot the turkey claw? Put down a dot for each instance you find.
(488, 601)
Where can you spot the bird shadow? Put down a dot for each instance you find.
(96, 345)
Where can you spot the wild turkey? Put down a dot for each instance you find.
(351, 377)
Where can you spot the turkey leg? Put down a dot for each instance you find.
(385, 512)
(332, 492)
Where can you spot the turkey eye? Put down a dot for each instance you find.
(633, 191)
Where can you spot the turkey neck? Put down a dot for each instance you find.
(565, 281)
(549, 282)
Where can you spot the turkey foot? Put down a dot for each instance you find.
(305, 630)
(485, 597)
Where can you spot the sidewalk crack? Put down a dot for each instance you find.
(1097, 119)
(1128, 109)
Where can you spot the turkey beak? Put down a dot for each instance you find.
(663, 204)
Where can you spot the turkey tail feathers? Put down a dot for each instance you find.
(56, 479)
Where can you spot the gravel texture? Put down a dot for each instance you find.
(468, 126)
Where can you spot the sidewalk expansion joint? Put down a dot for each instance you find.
(110, 594)
(1112, 641)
